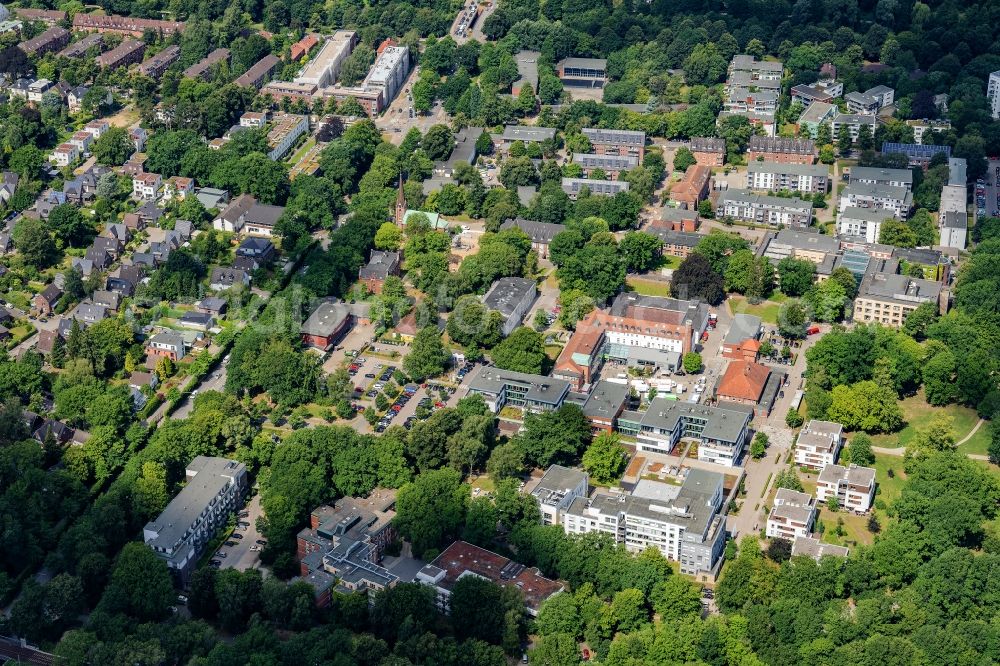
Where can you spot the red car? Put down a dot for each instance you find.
(396, 408)
(812, 330)
(586, 654)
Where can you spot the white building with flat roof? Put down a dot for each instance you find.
(853, 486)
(791, 516)
(389, 72)
(325, 67)
(819, 444)
(993, 94)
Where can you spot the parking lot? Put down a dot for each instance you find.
(242, 550)
(988, 192)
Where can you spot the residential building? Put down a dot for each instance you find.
(610, 165)
(127, 53)
(819, 444)
(684, 523)
(155, 66)
(817, 550)
(531, 393)
(693, 188)
(777, 176)
(954, 229)
(36, 89)
(780, 149)
(744, 382)
(464, 152)
(746, 206)
(871, 101)
(921, 128)
(97, 128)
(791, 516)
(893, 200)
(816, 114)
(807, 244)
(573, 186)
(343, 547)
(557, 489)
(742, 341)
(47, 16)
(212, 305)
(65, 154)
(325, 67)
(523, 133)
(389, 71)
(852, 124)
(167, 344)
(80, 48)
(380, 266)
(616, 142)
(213, 492)
(45, 300)
(675, 243)
(8, 186)
(879, 176)
(226, 278)
(540, 233)
(259, 72)
(583, 72)
(177, 187)
(709, 151)
(124, 25)
(146, 186)
(917, 154)
(211, 198)
(279, 91)
(993, 94)
(462, 559)
(824, 90)
(512, 297)
(328, 323)
(744, 69)
(285, 133)
(862, 222)
(887, 298)
(205, 68)
(853, 486)
(301, 48)
(244, 215)
(53, 39)
(677, 219)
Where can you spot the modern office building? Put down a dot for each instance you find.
(887, 298)
(389, 72)
(557, 489)
(531, 393)
(213, 492)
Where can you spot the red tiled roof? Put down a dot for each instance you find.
(743, 380)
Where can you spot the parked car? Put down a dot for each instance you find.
(237, 536)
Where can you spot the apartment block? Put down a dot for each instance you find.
(524, 134)
(746, 206)
(325, 67)
(556, 491)
(893, 200)
(871, 101)
(883, 177)
(389, 71)
(155, 66)
(709, 151)
(993, 94)
(52, 39)
(782, 150)
(925, 128)
(531, 393)
(259, 72)
(744, 69)
(127, 53)
(852, 124)
(693, 188)
(611, 165)
(791, 516)
(954, 229)
(862, 223)
(917, 154)
(573, 186)
(777, 176)
(124, 25)
(212, 494)
(80, 48)
(583, 72)
(283, 134)
(204, 68)
(617, 142)
(816, 114)
(684, 523)
(888, 298)
(853, 486)
(818, 444)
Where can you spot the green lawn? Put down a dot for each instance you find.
(649, 287)
(301, 152)
(766, 310)
(855, 528)
(917, 414)
(888, 488)
(978, 443)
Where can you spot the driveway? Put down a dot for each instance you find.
(240, 556)
(214, 382)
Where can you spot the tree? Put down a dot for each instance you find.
(895, 232)
(388, 237)
(937, 436)
(140, 585)
(779, 550)
(718, 247)
(695, 278)
(792, 319)
(438, 142)
(759, 446)
(640, 249)
(683, 158)
(628, 609)
(114, 147)
(860, 450)
(33, 242)
(939, 374)
(844, 142)
(541, 321)
(795, 276)
(994, 446)
(69, 225)
(675, 599)
(431, 509)
(428, 356)
(506, 461)
(522, 351)
(554, 650)
(554, 437)
(787, 478)
(793, 419)
(865, 406)
(692, 363)
(605, 458)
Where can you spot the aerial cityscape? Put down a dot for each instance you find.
(500, 332)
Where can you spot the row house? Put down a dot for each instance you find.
(124, 25)
(609, 164)
(127, 53)
(617, 142)
(53, 39)
(155, 66)
(204, 68)
(80, 48)
(259, 72)
(708, 151)
(782, 150)
(573, 186)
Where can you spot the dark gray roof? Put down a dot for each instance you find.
(507, 293)
(326, 319)
(744, 327)
(605, 400)
(380, 266)
(539, 232)
(614, 136)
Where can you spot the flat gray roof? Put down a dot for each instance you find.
(539, 388)
(605, 400)
(507, 293)
(527, 133)
(614, 136)
(737, 195)
(880, 175)
(865, 214)
(559, 479)
(326, 318)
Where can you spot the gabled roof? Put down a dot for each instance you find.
(744, 380)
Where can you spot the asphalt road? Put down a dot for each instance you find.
(993, 189)
(240, 556)
(215, 382)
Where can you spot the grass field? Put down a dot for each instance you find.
(649, 287)
(855, 528)
(766, 310)
(889, 488)
(917, 414)
(978, 443)
(301, 152)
